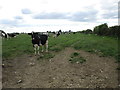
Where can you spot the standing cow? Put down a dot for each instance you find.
(39, 40)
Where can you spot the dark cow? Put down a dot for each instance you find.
(39, 40)
(74, 32)
(11, 35)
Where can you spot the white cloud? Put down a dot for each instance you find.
(18, 14)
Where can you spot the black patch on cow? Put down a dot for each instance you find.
(39, 39)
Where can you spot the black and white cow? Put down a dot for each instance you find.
(56, 34)
(11, 35)
(39, 40)
(3, 34)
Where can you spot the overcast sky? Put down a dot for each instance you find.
(53, 15)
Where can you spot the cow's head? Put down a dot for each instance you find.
(35, 35)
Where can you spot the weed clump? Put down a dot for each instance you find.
(76, 58)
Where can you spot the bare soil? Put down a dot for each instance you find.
(28, 72)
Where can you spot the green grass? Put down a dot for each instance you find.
(17, 46)
(106, 46)
(103, 46)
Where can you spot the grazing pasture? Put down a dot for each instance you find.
(104, 46)
(72, 61)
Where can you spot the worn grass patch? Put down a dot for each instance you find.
(74, 54)
(45, 56)
(77, 60)
(56, 48)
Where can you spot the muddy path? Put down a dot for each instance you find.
(58, 72)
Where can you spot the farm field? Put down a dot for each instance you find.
(73, 61)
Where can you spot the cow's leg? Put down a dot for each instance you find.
(46, 46)
(35, 49)
(38, 50)
(42, 48)
(54, 36)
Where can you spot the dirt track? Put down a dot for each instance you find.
(58, 72)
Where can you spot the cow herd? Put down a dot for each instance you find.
(3, 34)
(37, 38)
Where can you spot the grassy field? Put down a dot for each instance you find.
(103, 46)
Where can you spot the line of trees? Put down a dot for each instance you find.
(88, 31)
(104, 30)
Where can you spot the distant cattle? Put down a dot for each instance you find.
(10, 35)
(67, 32)
(39, 39)
(56, 34)
(74, 32)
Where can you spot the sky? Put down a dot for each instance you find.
(53, 15)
